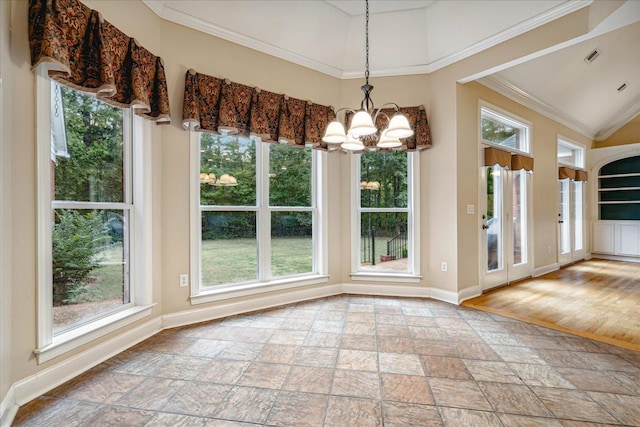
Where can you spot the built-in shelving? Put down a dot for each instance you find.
(619, 190)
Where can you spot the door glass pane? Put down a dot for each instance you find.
(565, 217)
(289, 175)
(291, 243)
(90, 272)
(494, 218)
(577, 213)
(384, 241)
(519, 210)
(229, 251)
(227, 170)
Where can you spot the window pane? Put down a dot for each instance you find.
(229, 251)
(227, 170)
(577, 212)
(494, 219)
(519, 200)
(88, 163)
(291, 243)
(383, 180)
(89, 264)
(383, 241)
(569, 155)
(289, 175)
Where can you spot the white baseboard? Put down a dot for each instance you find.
(261, 302)
(446, 296)
(468, 293)
(386, 289)
(545, 269)
(617, 257)
(36, 385)
(8, 407)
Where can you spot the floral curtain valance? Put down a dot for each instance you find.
(212, 104)
(84, 51)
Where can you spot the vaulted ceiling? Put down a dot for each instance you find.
(421, 36)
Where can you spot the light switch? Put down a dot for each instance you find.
(471, 209)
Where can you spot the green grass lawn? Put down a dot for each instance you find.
(235, 260)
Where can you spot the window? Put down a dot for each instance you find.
(502, 130)
(258, 220)
(87, 216)
(570, 154)
(385, 238)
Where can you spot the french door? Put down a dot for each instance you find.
(505, 235)
(570, 221)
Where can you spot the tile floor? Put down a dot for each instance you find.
(353, 361)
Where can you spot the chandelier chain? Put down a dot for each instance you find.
(366, 63)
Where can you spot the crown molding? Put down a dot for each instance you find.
(168, 13)
(504, 87)
(530, 24)
(620, 118)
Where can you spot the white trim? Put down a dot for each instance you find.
(222, 293)
(470, 292)
(444, 295)
(195, 230)
(51, 377)
(166, 12)
(616, 257)
(8, 407)
(504, 87)
(44, 295)
(386, 289)
(82, 335)
(225, 309)
(385, 277)
(540, 271)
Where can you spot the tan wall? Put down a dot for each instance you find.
(628, 134)
(544, 134)
(5, 198)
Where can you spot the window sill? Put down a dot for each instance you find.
(76, 337)
(385, 277)
(229, 292)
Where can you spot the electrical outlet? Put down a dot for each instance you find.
(444, 266)
(184, 280)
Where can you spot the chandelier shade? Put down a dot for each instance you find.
(363, 123)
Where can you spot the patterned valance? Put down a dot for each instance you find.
(84, 51)
(217, 105)
(417, 117)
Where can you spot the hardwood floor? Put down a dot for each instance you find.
(597, 299)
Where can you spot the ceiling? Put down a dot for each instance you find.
(435, 33)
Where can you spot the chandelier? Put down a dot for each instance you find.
(363, 122)
(225, 180)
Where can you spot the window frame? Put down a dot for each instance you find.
(572, 145)
(504, 117)
(50, 344)
(412, 275)
(264, 283)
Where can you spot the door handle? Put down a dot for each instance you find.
(561, 222)
(485, 226)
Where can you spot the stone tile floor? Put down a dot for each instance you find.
(353, 361)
